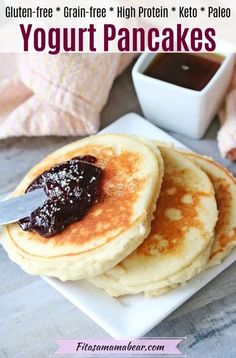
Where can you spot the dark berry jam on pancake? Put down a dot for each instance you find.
(72, 188)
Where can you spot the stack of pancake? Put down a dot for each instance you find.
(164, 216)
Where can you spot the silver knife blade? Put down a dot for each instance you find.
(14, 209)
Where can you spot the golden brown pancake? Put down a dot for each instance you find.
(181, 236)
(112, 228)
(225, 191)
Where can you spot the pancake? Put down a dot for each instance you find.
(181, 277)
(225, 190)
(181, 236)
(165, 285)
(112, 228)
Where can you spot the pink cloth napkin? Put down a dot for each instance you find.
(55, 95)
(64, 95)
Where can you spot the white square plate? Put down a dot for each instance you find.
(116, 315)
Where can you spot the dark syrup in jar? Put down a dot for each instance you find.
(192, 71)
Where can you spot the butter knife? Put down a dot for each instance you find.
(14, 209)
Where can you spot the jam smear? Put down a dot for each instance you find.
(72, 188)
